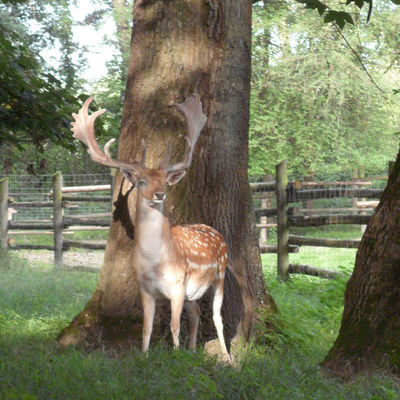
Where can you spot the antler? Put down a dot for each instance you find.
(195, 119)
(83, 128)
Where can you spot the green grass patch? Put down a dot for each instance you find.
(35, 303)
(324, 232)
(341, 260)
(89, 235)
(329, 231)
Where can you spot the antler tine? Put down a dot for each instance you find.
(83, 128)
(191, 108)
(107, 148)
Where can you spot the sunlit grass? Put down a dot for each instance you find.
(48, 239)
(320, 257)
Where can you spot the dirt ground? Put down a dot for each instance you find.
(91, 260)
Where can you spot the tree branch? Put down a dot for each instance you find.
(358, 58)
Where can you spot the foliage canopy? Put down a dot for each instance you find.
(312, 102)
(35, 102)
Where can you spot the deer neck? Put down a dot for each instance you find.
(153, 235)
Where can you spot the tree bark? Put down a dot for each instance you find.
(179, 47)
(369, 336)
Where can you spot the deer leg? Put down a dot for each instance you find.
(149, 305)
(193, 310)
(176, 311)
(217, 304)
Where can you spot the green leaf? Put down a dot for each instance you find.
(321, 9)
(348, 18)
(338, 17)
(331, 16)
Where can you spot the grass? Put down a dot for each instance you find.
(48, 239)
(320, 257)
(335, 259)
(35, 303)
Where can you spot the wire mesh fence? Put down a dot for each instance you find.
(93, 208)
(33, 195)
(31, 190)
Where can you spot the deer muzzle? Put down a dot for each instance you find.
(159, 197)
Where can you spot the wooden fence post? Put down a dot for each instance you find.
(4, 222)
(308, 205)
(361, 176)
(263, 221)
(354, 200)
(265, 203)
(282, 220)
(58, 220)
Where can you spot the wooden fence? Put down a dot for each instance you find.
(281, 192)
(294, 192)
(59, 226)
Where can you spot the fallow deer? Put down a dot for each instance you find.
(175, 262)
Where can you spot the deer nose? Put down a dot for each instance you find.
(159, 196)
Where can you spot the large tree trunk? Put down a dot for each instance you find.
(177, 47)
(369, 336)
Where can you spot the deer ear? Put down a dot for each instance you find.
(129, 175)
(175, 176)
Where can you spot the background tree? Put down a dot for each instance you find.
(176, 48)
(34, 103)
(47, 28)
(312, 102)
(36, 99)
(369, 332)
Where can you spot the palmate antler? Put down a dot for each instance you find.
(191, 108)
(83, 128)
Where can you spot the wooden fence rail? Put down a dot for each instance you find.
(323, 242)
(329, 220)
(294, 196)
(82, 189)
(86, 199)
(265, 212)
